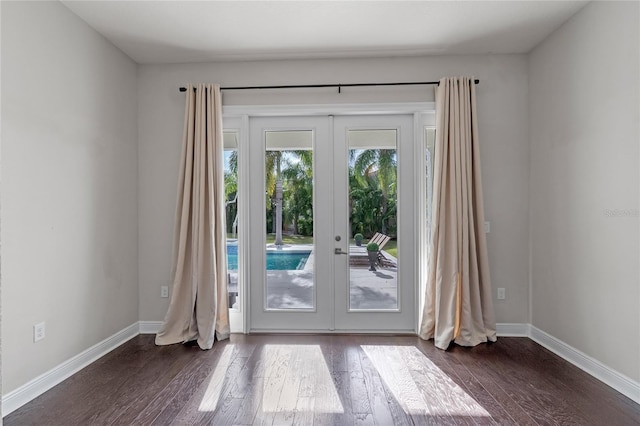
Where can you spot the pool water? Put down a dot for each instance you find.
(281, 260)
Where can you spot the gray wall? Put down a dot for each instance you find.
(69, 200)
(503, 115)
(584, 118)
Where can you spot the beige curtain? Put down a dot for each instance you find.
(458, 303)
(198, 309)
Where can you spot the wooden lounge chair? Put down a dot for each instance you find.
(376, 237)
(384, 239)
(381, 240)
(383, 261)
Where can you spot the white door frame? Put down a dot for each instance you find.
(237, 117)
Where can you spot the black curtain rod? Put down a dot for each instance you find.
(338, 85)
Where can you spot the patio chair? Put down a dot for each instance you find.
(384, 239)
(376, 238)
(381, 240)
(232, 290)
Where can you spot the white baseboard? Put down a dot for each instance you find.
(153, 327)
(150, 327)
(595, 368)
(512, 330)
(27, 392)
(616, 380)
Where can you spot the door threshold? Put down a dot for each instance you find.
(399, 333)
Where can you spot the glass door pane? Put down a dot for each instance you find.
(372, 189)
(289, 251)
(430, 139)
(231, 210)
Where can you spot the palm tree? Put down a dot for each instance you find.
(273, 179)
(377, 165)
(233, 162)
(365, 209)
(231, 192)
(231, 197)
(298, 176)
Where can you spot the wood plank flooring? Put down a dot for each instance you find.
(329, 380)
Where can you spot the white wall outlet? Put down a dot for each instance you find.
(501, 294)
(38, 332)
(164, 291)
(487, 227)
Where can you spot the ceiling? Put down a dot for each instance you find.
(203, 31)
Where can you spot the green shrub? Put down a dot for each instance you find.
(372, 247)
(358, 237)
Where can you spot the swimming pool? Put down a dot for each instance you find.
(276, 260)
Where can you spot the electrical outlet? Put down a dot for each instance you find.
(38, 332)
(164, 291)
(501, 294)
(487, 227)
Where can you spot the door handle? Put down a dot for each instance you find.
(338, 250)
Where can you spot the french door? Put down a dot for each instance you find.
(322, 190)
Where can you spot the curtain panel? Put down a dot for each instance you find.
(458, 306)
(198, 309)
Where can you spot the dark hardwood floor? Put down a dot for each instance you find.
(329, 380)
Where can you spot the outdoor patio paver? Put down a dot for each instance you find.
(373, 289)
(293, 289)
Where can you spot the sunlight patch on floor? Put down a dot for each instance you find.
(297, 379)
(212, 395)
(400, 366)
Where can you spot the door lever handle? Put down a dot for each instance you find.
(338, 250)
